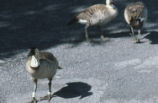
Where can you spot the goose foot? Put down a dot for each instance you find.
(47, 97)
(103, 38)
(34, 100)
(138, 41)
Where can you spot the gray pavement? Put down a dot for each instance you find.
(117, 71)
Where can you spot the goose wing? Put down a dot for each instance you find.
(91, 11)
(47, 56)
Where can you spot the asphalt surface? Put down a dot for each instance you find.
(114, 71)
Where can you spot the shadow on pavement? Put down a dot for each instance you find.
(74, 89)
(153, 37)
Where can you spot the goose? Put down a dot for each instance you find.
(41, 65)
(96, 15)
(135, 14)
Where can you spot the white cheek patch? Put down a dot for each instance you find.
(82, 21)
(34, 62)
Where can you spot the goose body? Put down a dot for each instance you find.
(96, 15)
(47, 68)
(41, 65)
(135, 15)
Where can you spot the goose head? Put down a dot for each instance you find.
(34, 54)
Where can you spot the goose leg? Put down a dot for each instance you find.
(48, 97)
(34, 92)
(49, 85)
(133, 36)
(139, 33)
(101, 33)
(86, 32)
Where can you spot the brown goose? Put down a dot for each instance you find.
(41, 65)
(135, 14)
(96, 15)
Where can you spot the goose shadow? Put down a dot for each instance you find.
(74, 89)
(153, 37)
(126, 34)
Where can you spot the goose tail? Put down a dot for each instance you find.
(60, 67)
(73, 20)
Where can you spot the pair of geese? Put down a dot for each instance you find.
(44, 64)
(96, 15)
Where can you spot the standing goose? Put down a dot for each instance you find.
(135, 14)
(41, 65)
(96, 15)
